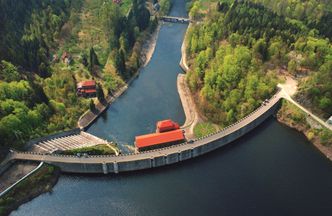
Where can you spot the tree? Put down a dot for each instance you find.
(120, 62)
(93, 60)
(8, 72)
(100, 93)
(92, 105)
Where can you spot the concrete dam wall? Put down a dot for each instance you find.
(166, 156)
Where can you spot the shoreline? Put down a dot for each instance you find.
(304, 128)
(88, 118)
(322, 149)
(189, 107)
(30, 188)
(147, 51)
(325, 150)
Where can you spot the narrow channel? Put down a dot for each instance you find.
(153, 96)
(273, 170)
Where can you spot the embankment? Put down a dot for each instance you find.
(146, 54)
(294, 117)
(39, 182)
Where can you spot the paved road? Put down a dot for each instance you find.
(155, 153)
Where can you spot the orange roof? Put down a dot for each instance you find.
(89, 90)
(86, 83)
(158, 138)
(167, 125)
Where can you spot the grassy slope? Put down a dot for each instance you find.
(101, 149)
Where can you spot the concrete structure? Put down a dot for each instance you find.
(158, 157)
(24, 177)
(175, 19)
(65, 141)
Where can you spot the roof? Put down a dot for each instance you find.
(86, 83)
(90, 90)
(158, 138)
(167, 124)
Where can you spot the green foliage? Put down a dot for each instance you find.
(100, 93)
(316, 14)
(93, 60)
(203, 129)
(8, 72)
(235, 45)
(92, 105)
(165, 6)
(100, 149)
(326, 137)
(30, 187)
(318, 88)
(295, 117)
(28, 31)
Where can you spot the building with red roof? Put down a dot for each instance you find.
(166, 125)
(159, 140)
(87, 88)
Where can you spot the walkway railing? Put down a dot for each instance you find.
(22, 179)
(233, 128)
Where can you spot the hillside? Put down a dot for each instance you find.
(46, 47)
(240, 50)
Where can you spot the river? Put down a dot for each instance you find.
(273, 170)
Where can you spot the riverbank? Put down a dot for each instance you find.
(146, 54)
(295, 118)
(42, 181)
(189, 107)
(14, 173)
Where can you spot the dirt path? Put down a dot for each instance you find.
(189, 107)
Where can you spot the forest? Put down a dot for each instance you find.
(239, 48)
(47, 46)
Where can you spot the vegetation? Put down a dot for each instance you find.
(314, 14)
(204, 129)
(101, 149)
(238, 50)
(296, 118)
(39, 182)
(46, 47)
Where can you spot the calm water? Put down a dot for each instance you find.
(153, 95)
(272, 171)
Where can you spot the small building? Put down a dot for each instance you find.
(87, 88)
(166, 125)
(159, 140)
(329, 121)
(117, 1)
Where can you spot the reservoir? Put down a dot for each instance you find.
(273, 170)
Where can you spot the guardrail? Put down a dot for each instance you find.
(19, 181)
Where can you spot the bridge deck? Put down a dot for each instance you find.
(234, 128)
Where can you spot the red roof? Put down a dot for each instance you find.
(89, 90)
(158, 138)
(167, 125)
(88, 83)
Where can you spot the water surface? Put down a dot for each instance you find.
(273, 170)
